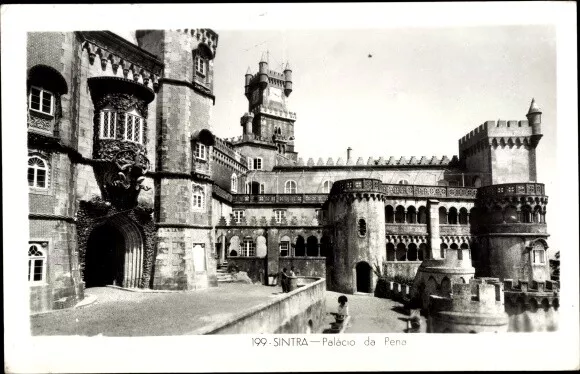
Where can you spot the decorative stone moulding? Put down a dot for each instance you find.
(144, 68)
(120, 164)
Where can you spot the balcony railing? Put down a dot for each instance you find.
(405, 229)
(513, 189)
(374, 185)
(451, 229)
(280, 199)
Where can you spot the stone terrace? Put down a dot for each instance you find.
(118, 312)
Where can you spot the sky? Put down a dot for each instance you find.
(419, 93)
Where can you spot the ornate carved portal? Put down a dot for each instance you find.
(121, 162)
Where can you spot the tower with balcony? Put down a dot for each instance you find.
(183, 184)
(509, 219)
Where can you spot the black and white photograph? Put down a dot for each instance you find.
(230, 180)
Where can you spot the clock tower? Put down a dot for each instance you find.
(268, 118)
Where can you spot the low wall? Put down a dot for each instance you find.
(254, 266)
(306, 266)
(407, 269)
(297, 312)
(44, 298)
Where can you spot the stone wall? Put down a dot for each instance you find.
(297, 312)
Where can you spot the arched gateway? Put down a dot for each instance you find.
(114, 254)
(363, 277)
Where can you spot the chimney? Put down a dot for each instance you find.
(348, 152)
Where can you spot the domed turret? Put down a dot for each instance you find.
(263, 72)
(248, 79)
(535, 118)
(287, 80)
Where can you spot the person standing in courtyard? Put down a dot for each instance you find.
(342, 311)
(284, 280)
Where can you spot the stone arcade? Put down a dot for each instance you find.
(130, 187)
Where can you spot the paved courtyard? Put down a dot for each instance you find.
(370, 314)
(117, 312)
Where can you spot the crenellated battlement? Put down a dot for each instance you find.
(381, 161)
(526, 296)
(496, 129)
(228, 150)
(477, 306)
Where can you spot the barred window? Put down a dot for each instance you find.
(238, 215)
(290, 187)
(200, 65)
(234, 183)
(41, 100)
(108, 128)
(133, 128)
(284, 249)
(36, 263)
(279, 214)
(198, 197)
(201, 151)
(257, 163)
(249, 248)
(37, 172)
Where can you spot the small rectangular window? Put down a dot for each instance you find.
(280, 215)
(201, 151)
(539, 257)
(284, 249)
(250, 163)
(41, 100)
(238, 215)
(200, 65)
(108, 124)
(257, 163)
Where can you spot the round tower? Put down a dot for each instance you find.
(535, 119)
(287, 80)
(356, 210)
(263, 71)
(248, 80)
(512, 231)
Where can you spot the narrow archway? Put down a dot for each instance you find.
(114, 254)
(104, 257)
(363, 277)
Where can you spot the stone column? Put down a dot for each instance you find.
(223, 250)
(433, 228)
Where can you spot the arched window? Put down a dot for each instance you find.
(401, 252)
(108, 123)
(312, 246)
(36, 263)
(538, 254)
(326, 186)
(362, 227)
(411, 214)
(442, 215)
(234, 183)
(422, 216)
(477, 182)
(510, 214)
(248, 248)
(198, 197)
(412, 252)
(400, 214)
(290, 187)
(389, 214)
(133, 127)
(390, 252)
(403, 181)
(300, 247)
(37, 172)
(443, 249)
(452, 216)
(526, 214)
(463, 216)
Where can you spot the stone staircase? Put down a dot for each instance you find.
(222, 273)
